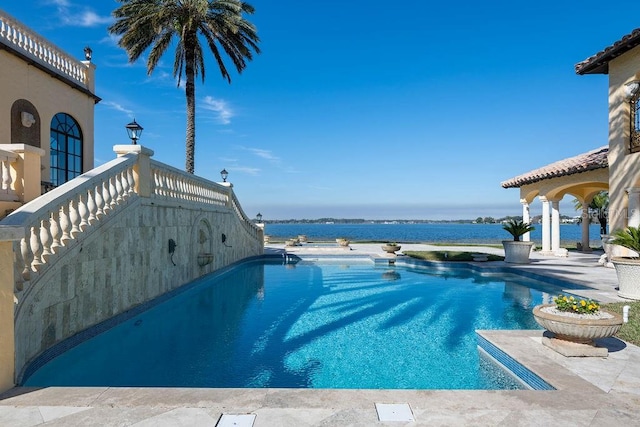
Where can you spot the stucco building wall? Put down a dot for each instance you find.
(49, 96)
(624, 167)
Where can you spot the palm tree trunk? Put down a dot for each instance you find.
(190, 90)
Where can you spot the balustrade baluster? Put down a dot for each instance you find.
(91, 206)
(171, 186)
(45, 240)
(163, 183)
(131, 181)
(83, 213)
(118, 184)
(36, 249)
(65, 225)
(125, 185)
(98, 200)
(74, 218)
(181, 193)
(54, 229)
(106, 196)
(6, 174)
(156, 183)
(113, 193)
(27, 258)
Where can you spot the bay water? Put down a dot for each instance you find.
(422, 232)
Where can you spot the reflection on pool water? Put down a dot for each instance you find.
(310, 324)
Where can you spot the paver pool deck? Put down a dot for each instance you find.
(589, 391)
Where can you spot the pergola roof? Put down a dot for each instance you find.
(595, 159)
(599, 63)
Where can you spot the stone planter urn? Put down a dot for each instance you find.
(577, 331)
(516, 252)
(628, 271)
(343, 242)
(391, 248)
(291, 242)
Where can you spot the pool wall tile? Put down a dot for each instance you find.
(525, 375)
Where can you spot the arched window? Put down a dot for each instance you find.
(66, 149)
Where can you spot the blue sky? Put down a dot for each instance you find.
(366, 109)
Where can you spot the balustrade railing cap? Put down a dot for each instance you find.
(11, 232)
(121, 149)
(22, 148)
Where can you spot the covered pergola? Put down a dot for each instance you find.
(582, 176)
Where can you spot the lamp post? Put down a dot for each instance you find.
(224, 174)
(259, 217)
(134, 130)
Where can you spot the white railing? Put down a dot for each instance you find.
(7, 190)
(170, 183)
(249, 225)
(60, 217)
(22, 39)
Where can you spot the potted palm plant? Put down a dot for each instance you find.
(627, 267)
(516, 251)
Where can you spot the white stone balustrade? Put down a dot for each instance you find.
(21, 39)
(7, 188)
(61, 217)
(58, 218)
(252, 228)
(172, 183)
(15, 185)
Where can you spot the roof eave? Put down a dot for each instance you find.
(599, 63)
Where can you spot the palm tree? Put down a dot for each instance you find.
(600, 206)
(153, 24)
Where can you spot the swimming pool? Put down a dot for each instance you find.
(323, 324)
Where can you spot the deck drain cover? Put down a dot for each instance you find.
(394, 412)
(236, 420)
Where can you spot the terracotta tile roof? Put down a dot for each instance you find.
(599, 63)
(595, 159)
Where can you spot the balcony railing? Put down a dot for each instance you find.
(21, 39)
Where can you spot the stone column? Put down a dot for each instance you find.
(142, 170)
(546, 229)
(26, 175)
(586, 221)
(633, 210)
(526, 218)
(555, 226)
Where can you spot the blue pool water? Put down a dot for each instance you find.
(316, 325)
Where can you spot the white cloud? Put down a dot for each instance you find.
(61, 3)
(265, 154)
(220, 107)
(89, 18)
(84, 18)
(111, 39)
(245, 169)
(117, 107)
